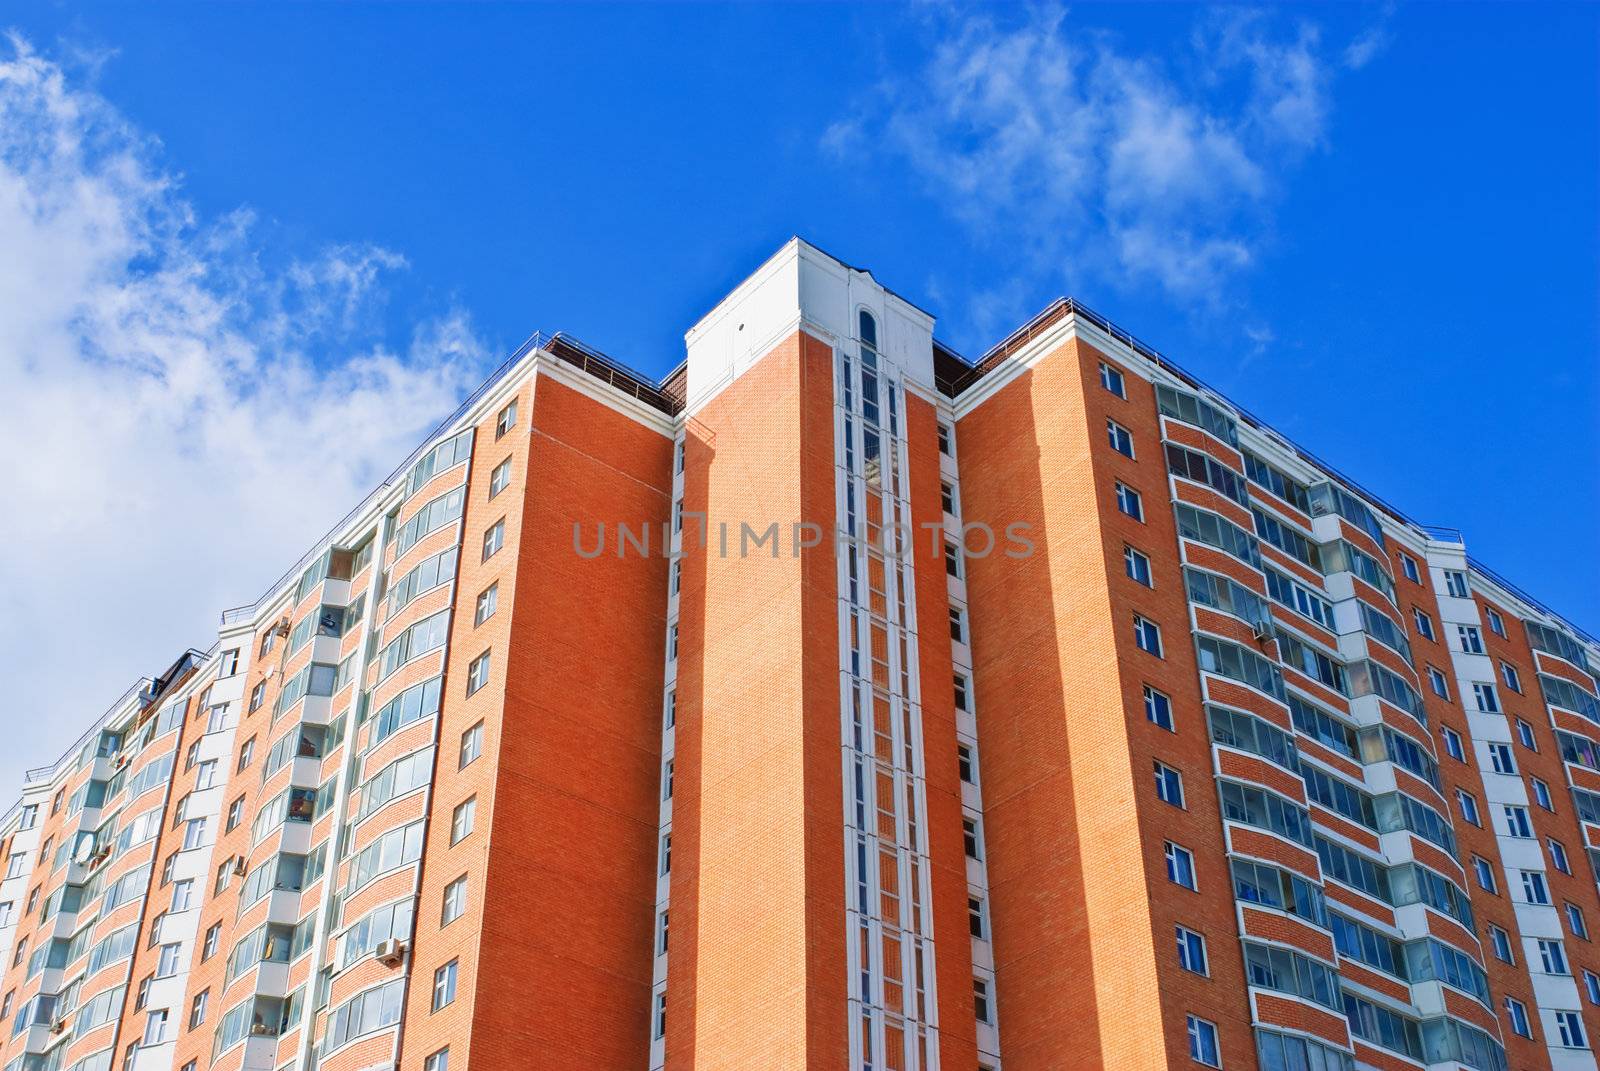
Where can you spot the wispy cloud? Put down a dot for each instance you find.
(179, 421)
(1049, 137)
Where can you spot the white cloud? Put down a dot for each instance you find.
(1050, 139)
(179, 422)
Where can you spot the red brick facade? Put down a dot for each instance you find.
(1241, 768)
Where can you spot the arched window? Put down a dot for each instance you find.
(868, 330)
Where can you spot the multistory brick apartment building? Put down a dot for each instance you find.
(1122, 734)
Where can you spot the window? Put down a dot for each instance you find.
(478, 673)
(155, 1027)
(969, 837)
(960, 691)
(1558, 856)
(183, 895)
(207, 777)
(1147, 634)
(1203, 1048)
(1470, 638)
(1192, 951)
(1169, 784)
(958, 632)
(1437, 682)
(1158, 708)
(500, 477)
(945, 440)
(506, 420)
(208, 947)
(197, 1008)
(1517, 824)
(1129, 501)
(1517, 1016)
(1137, 566)
(1469, 806)
(952, 559)
(1500, 941)
(235, 815)
(1497, 624)
(169, 961)
(471, 745)
(666, 854)
(455, 901)
(1483, 694)
(1483, 870)
(1552, 957)
(1541, 795)
(1576, 922)
(1453, 746)
(439, 1061)
(1525, 735)
(444, 985)
(1534, 889)
(1570, 1026)
(661, 934)
(257, 695)
(494, 539)
(1111, 380)
(1121, 440)
(964, 764)
(461, 819)
(980, 1000)
(219, 719)
(661, 1009)
(1591, 987)
(194, 834)
(229, 664)
(487, 601)
(1509, 674)
(1180, 865)
(1500, 758)
(947, 498)
(1455, 582)
(247, 751)
(1424, 624)
(1408, 566)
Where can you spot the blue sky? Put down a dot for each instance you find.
(1374, 226)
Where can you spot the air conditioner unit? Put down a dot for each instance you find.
(58, 1027)
(390, 952)
(1262, 631)
(238, 866)
(282, 627)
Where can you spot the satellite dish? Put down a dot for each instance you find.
(84, 850)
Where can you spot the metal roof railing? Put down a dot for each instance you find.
(611, 371)
(1500, 581)
(1066, 306)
